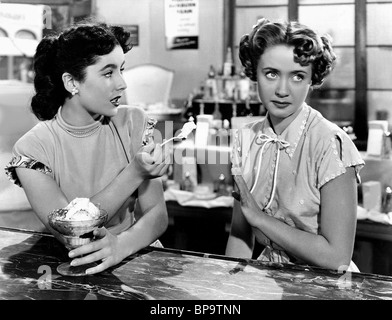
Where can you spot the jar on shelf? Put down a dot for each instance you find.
(186, 183)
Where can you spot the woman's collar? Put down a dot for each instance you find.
(293, 132)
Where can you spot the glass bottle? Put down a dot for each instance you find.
(211, 88)
(221, 186)
(243, 87)
(387, 207)
(223, 134)
(188, 106)
(228, 64)
(217, 115)
(187, 184)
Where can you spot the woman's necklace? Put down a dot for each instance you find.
(79, 132)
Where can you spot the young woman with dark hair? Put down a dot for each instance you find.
(87, 145)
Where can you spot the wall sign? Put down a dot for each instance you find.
(182, 24)
(134, 30)
(21, 26)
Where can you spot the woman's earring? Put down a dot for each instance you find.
(74, 91)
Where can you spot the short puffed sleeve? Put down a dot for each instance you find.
(236, 153)
(28, 152)
(148, 134)
(141, 129)
(135, 127)
(242, 142)
(339, 153)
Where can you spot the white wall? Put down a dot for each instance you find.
(128, 12)
(190, 66)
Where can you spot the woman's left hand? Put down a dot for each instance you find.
(104, 249)
(249, 206)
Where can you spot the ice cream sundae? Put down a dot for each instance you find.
(80, 216)
(80, 209)
(75, 224)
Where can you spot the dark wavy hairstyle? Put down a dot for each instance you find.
(72, 51)
(309, 47)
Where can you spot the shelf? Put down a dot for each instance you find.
(221, 101)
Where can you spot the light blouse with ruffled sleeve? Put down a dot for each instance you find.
(84, 160)
(286, 172)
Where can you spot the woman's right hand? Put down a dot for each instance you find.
(249, 206)
(152, 160)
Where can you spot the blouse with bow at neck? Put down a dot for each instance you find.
(286, 172)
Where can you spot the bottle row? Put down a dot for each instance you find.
(223, 110)
(236, 87)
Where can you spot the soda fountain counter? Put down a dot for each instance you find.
(28, 262)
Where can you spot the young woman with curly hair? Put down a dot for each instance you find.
(296, 172)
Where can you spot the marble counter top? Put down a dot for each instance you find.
(28, 262)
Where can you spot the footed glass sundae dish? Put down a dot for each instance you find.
(76, 223)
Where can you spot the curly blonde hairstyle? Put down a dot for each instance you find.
(309, 47)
